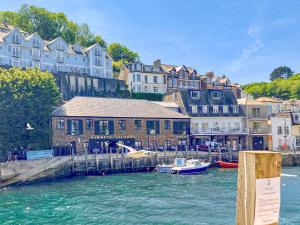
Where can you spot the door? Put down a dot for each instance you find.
(258, 143)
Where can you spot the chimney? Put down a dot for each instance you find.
(157, 63)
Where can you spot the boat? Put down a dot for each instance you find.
(223, 164)
(164, 168)
(193, 166)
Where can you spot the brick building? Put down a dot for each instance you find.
(102, 122)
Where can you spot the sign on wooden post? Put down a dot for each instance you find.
(258, 194)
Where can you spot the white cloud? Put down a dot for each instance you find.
(254, 31)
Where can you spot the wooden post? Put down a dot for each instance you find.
(209, 154)
(258, 195)
(219, 154)
(111, 159)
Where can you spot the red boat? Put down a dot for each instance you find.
(228, 164)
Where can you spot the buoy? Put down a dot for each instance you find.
(103, 174)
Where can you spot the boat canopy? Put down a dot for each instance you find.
(180, 162)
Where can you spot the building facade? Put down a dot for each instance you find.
(142, 78)
(281, 131)
(258, 123)
(101, 123)
(20, 49)
(215, 117)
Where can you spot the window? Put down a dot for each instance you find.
(16, 51)
(146, 89)
(60, 124)
(215, 109)
(194, 109)
(146, 79)
(296, 117)
(152, 126)
(88, 124)
(138, 67)
(138, 77)
(59, 56)
(279, 130)
(256, 112)
(195, 94)
(155, 79)
(133, 77)
(204, 108)
(98, 61)
(104, 127)
(137, 124)
(180, 127)
(122, 124)
(204, 127)
(97, 52)
(16, 62)
(59, 67)
(155, 89)
(36, 54)
(235, 109)
(75, 127)
(167, 144)
(297, 141)
(216, 94)
(154, 144)
(286, 130)
(36, 43)
(225, 108)
(138, 88)
(167, 125)
(216, 126)
(256, 126)
(16, 39)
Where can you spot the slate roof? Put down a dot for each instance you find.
(227, 98)
(114, 107)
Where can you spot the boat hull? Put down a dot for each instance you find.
(228, 165)
(190, 171)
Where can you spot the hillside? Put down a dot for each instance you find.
(280, 88)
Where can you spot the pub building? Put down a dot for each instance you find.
(100, 123)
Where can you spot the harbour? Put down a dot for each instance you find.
(139, 198)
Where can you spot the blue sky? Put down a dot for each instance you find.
(243, 39)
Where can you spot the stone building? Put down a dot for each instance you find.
(215, 117)
(100, 123)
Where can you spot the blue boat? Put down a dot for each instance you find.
(163, 168)
(193, 166)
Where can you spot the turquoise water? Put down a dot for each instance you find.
(138, 199)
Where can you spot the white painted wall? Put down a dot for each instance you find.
(279, 139)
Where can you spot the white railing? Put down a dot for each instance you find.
(213, 131)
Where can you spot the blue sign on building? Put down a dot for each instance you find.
(41, 154)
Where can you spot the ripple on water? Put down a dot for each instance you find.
(137, 199)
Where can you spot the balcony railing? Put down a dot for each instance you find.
(259, 131)
(219, 131)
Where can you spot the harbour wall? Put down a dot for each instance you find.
(92, 164)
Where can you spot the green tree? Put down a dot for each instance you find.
(281, 72)
(121, 55)
(26, 97)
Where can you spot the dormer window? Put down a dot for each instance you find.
(195, 94)
(235, 109)
(204, 109)
(97, 52)
(225, 109)
(216, 94)
(36, 43)
(215, 109)
(147, 68)
(194, 109)
(138, 67)
(16, 39)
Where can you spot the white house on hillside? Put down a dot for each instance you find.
(281, 131)
(20, 49)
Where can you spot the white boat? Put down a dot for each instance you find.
(164, 168)
(137, 154)
(193, 166)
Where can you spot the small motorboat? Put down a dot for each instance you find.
(193, 166)
(223, 164)
(164, 168)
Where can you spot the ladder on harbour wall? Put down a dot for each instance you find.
(39, 170)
